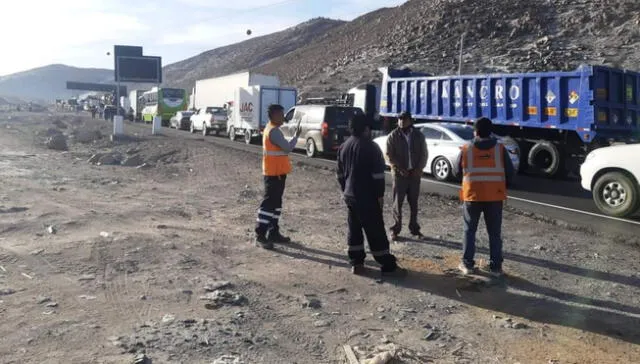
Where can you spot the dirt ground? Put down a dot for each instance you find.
(104, 263)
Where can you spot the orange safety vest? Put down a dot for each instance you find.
(275, 161)
(483, 174)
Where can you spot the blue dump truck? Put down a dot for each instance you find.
(555, 117)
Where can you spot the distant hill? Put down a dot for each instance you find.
(247, 54)
(49, 82)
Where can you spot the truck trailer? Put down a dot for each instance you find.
(555, 117)
(220, 90)
(248, 110)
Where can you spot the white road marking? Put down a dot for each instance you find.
(543, 204)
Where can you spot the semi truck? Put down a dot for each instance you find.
(556, 118)
(220, 90)
(248, 109)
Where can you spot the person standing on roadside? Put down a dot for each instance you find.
(407, 153)
(275, 168)
(93, 112)
(486, 172)
(360, 173)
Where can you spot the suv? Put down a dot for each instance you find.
(324, 127)
(209, 118)
(612, 174)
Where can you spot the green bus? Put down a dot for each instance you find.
(164, 102)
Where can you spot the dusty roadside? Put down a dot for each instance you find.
(99, 263)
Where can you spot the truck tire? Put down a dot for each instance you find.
(310, 148)
(616, 194)
(545, 158)
(232, 134)
(248, 137)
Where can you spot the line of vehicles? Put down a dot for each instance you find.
(551, 123)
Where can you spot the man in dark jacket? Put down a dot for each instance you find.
(360, 173)
(486, 171)
(407, 153)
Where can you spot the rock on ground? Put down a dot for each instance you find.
(133, 161)
(57, 142)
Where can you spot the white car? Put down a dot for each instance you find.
(444, 143)
(207, 119)
(612, 174)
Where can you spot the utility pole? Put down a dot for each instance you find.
(460, 61)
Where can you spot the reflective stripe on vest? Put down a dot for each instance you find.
(486, 182)
(275, 161)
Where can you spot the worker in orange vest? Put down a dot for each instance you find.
(275, 167)
(486, 172)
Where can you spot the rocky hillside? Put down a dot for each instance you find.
(247, 54)
(49, 82)
(509, 36)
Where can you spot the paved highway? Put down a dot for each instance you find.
(563, 200)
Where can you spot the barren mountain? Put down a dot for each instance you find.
(49, 82)
(248, 54)
(509, 36)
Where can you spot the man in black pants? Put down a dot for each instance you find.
(360, 173)
(275, 167)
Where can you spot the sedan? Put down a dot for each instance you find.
(444, 143)
(180, 120)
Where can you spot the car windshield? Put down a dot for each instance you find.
(341, 115)
(216, 111)
(462, 131)
(172, 93)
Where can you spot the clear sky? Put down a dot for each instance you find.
(80, 32)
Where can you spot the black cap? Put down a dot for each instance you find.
(405, 116)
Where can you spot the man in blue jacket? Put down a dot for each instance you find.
(360, 173)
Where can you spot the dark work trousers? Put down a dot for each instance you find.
(408, 187)
(367, 216)
(492, 212)
(271, 206)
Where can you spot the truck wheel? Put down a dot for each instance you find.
(205, 131)
(616, 194)
(545, 158)
(247, 136)
(441, 169)
(310, 148)
(232, 134)
(192, 128)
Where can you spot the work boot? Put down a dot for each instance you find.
(279, 238)
(262, 242)
(466, 270)
(394, 236)
(358, 269)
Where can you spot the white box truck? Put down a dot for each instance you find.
(220, 90)
(248, 111)
(134, 112)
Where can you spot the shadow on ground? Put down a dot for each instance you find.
(513, 296)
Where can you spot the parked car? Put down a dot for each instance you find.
(207, 119)
(612, 174)
(181, 120)
(324, 127)
(444, 143)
